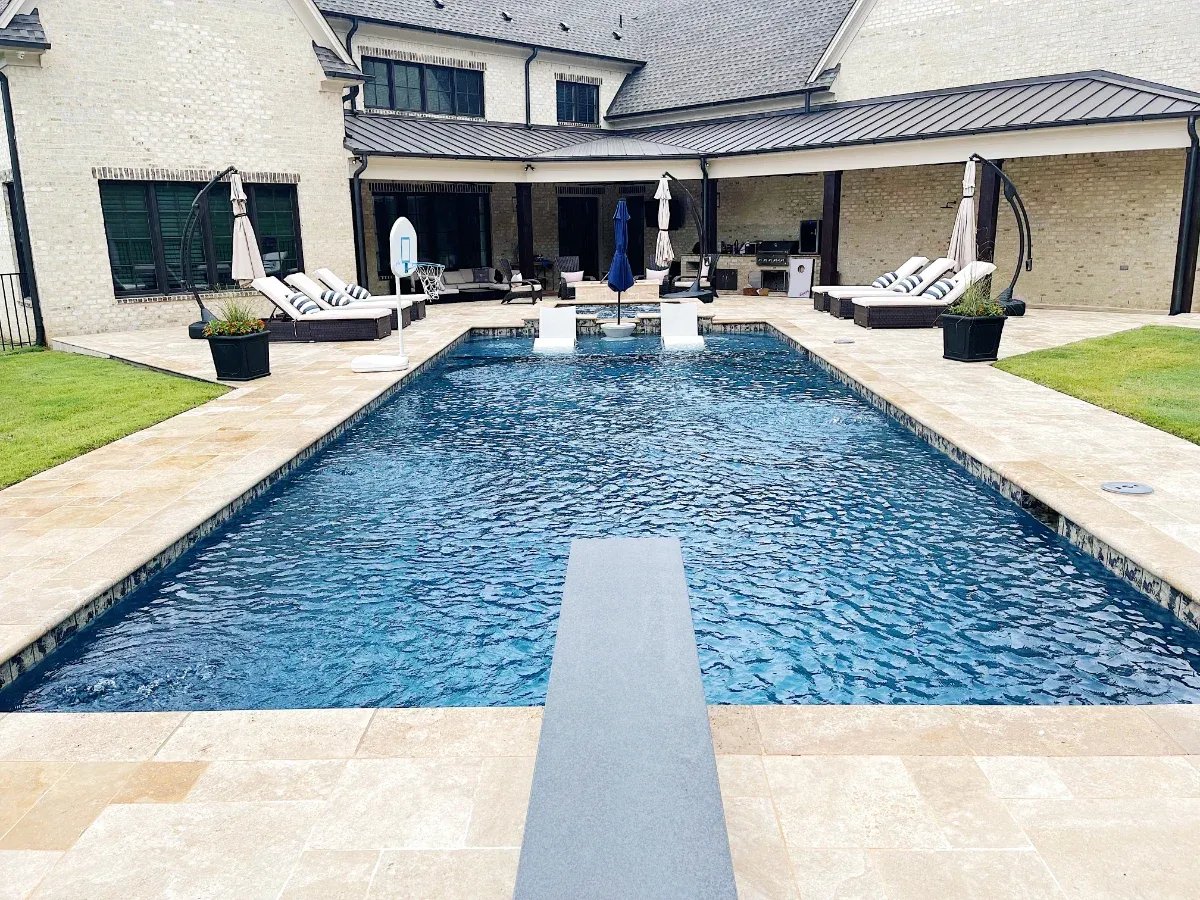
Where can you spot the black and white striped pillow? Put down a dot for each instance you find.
(335, 298)
(939, 289)
(303, 303)
(906, 285)
(884, 281)
(357, 292)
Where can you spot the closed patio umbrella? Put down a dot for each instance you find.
(962, 240)
(620, 274)
(664, 253)
(247, 260)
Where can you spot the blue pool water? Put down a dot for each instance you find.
(609, 310)
(831, 555)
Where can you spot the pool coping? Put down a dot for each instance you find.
(1142, 578)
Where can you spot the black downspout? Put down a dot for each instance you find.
(20, 219)
(360, 233)
(1189, 229)
(350, 50)
(528, 95)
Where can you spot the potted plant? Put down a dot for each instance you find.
(972, 326)
(239, 343)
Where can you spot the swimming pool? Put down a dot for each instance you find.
(831, 555)
(609, 310)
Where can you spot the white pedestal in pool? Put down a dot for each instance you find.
(616, 332)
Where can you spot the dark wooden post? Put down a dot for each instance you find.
(831, 219)
(989, 211)
(1189, 230)
(710, 215)
(525, 230)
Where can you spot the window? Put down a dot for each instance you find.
(578, 103)
(144, 223)
(452, 229)
(413, 87)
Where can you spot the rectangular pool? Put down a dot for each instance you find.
(832, 556)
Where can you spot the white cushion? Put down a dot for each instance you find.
(573, 277)
(656, 276)
(458, 276)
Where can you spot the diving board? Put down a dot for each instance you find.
(625, 802)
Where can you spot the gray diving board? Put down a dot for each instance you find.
(625, 802)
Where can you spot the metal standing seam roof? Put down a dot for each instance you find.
(25, 32)
(1085, 98)
(334, 66)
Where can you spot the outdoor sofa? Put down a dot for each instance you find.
(294, 322)
(331, 280)
(922, 311)
(327, 298)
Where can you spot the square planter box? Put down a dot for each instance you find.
(242, 357)
(970, 338)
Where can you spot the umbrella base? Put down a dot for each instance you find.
(618, 332)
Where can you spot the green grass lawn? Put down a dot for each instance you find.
(1151, 374)
(56, 406)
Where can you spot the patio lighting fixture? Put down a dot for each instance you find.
(1127, 487)
(1024, 233)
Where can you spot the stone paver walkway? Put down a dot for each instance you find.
(886, 803)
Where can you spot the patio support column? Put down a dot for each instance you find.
(831, 226)
(710, 215)
(1189, 230)
(525, 229)
(989, 211)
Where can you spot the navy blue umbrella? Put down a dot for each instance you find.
(620, 275)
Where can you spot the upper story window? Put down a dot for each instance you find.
(417, 87)
(144, 222)
(578, 103)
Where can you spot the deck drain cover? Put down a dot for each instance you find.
(843, 341)
(1127, 487)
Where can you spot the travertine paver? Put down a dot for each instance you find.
(864, 815)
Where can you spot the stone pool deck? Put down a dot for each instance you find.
(849, 802)
(821, 803)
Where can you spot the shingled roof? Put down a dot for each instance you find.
(25, 32)
(334, 66)
(705, 52)
(591, 25)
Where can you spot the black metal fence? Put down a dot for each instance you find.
(16, 314)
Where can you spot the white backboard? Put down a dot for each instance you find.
(403, 242)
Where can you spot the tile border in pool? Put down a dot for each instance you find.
(1141, 578)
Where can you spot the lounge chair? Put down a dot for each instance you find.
(708, 262)
(298, 324)
(556, 330)
(328, 278)
(327, 298)
(841, 300)
(680, 326)
(699, 286)
(519, 287)
(921, 311)
(887, 279)
(570, 274)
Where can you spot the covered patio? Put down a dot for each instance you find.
(861, 185)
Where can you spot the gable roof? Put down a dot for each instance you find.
(1085, 98)
(25, 32)
(534, 23)
(705, 52)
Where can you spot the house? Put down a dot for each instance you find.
(510, 130)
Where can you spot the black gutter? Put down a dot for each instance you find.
(360, 233)
(464, 35)
(20, 217)
(528, 90)
(1184, 285)
(349, 45)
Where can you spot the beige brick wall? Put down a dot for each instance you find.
(767, 209)
(913, 45)
(1091, 215)
(171, 84)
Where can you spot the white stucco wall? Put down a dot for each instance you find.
(914, 46)
(168, 84)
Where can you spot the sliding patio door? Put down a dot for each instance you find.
(452, 229)
(579, 231)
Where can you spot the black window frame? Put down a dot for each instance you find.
(209, 277)
(391, 205)
(571, 92)
(460, 94)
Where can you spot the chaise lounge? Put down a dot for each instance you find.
(841, 300)
(328, 299)
(301, 319)
(328, 278)
(920, 311)
(822, 292)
